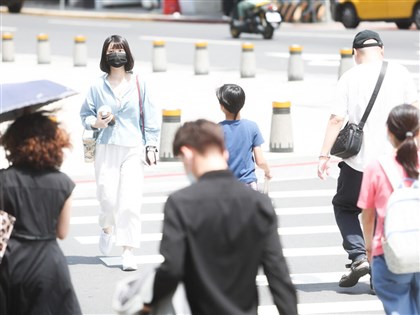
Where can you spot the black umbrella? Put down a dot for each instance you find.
(23, 97)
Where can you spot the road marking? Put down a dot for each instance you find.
(332, 59)
(288, 252)
(304, 210)
(348, 307)
(92, 23)
(145, 237)
(93, 219)
(314, 251)
(149, 217)
(11, 29)
(302, 193)
(185, 40)
(305, 230)
(313, 35)
(90, 202)
(142, 260)
(301, 230)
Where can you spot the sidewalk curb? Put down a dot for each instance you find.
(148, 17)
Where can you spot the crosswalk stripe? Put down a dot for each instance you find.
(287, 252)
(162, 199)
(304, 210)
(305, 230)
(347, 307)
(93, 219)
(153, 237)
(148, 217)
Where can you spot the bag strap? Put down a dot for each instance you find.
(140, 105)
(374, 94)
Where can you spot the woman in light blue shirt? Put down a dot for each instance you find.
(112, 107)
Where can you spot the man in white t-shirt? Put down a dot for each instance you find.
(353, 92)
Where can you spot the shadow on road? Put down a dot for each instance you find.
(83, 260)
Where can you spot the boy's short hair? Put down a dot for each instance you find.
(199, 135)
(231, 97)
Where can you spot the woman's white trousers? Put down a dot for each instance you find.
(119, 182)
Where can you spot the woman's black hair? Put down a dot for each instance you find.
(231, 97)
(403, 122)
(117, 42)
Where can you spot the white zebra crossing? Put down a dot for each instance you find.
(302, 279)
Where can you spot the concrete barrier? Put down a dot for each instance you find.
(281, 135)
(43, 49)
(159, 56)
(201, 58)
(346, 61)
(248, 63)
(171, 121)
(8, 47)
(80, 51)
(295, 67)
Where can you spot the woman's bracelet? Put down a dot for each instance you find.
(324, 157)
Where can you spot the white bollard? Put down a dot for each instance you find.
(80, 51)
(281, 135)
(295, 69)
(159, 56)
(171, 121)
(248, 63)
(201, 58)
(8, 48)
(346, 61)
(43, 49)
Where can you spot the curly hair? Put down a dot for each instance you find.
(35, 141)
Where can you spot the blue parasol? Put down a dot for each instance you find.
(23, 97)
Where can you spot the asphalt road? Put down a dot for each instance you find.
(307, 228)
(321, 42)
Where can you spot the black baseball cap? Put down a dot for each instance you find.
(363, 36)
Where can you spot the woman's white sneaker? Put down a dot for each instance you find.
(105, 243)
(128, 261)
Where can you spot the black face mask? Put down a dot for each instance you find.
(117, 59)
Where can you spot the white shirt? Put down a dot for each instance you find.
(353, 93)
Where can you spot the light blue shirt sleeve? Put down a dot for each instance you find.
(152, 118)
(127, 130)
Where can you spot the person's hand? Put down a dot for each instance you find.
(323, 167)
(145, 310)
(102, 122)
(369, 254)
(268, 176)
(151, 155)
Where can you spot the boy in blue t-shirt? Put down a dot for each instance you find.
(242, 137)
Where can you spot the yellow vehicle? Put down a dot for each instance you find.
(352, 12)
(14, 6)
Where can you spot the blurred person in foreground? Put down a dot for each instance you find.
(34, 276)
(353, 92)
(217, 232)
(399, 293)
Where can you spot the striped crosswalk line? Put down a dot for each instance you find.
(329, 308)
(287, 215)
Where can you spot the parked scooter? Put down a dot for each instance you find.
(263, 18)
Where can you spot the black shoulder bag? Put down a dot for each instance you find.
(349, 140)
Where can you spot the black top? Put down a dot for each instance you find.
(216, 233)
(34, 276)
